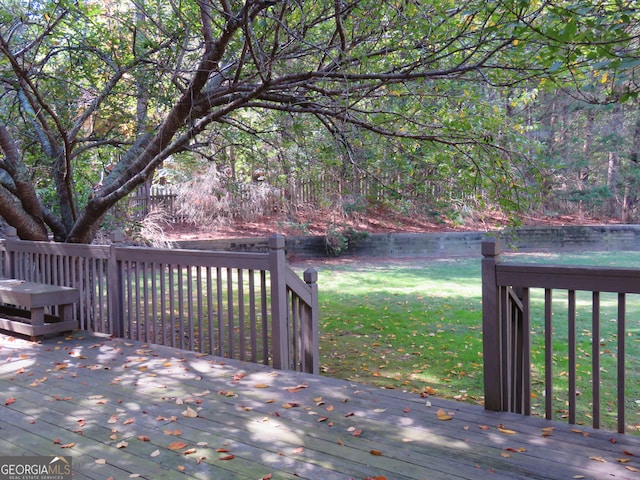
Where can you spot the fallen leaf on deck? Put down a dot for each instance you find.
(623, 460)
(176, 445)
(122, 444)
(68, 445)
(505, 455)
(268, 476)
(290, 405)
(190, 413)
(357, 433)
(155, 453)
(261, 385)
(228, 457)
(101, 461)
(298, 450)
(128, 421)
(144, 438)
(442, 415)
(189, 451)
(632, 469)
(222, 450)
(596, 458)
(506, 431)
(296, 389)
(10, 401)
(377, 453)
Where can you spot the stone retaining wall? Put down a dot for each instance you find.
(450, 244)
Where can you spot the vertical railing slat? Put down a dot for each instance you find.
(571, 325)
(595, 357)
(622, 306)
(548, 352)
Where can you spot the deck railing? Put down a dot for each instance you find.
(507, 337)
(249, 306)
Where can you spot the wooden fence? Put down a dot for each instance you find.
(249, 306)
(507, 334)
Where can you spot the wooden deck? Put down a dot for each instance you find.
(123, 409)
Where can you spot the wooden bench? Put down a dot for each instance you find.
(33, 298)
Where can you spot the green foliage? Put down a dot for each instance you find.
(338, 239)
(420, 99)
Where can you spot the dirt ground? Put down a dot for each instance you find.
(318, 222)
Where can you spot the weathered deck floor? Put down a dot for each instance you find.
(124, 409)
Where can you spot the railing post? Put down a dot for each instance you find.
(279, 309)
(491, 327)
(310, 341)
(9, 255)
(115, 287)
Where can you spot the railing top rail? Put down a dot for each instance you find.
(55, 248)
(196, 258)
(568, 277)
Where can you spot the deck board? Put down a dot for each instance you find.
(92, 394)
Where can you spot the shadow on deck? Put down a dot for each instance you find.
(122, 408)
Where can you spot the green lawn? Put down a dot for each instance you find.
(416, 325)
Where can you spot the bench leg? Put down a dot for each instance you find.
(37, 316)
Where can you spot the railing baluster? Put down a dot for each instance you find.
(241, 315)
(221, 336)
(190, 328)
(548, 352)
(253, 316)
(200, 315)
(595, 357)
(621, 360)
(572, 355)
(230, 324)
(210, 307)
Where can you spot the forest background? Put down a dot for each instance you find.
(424, 110)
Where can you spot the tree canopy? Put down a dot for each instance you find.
(95, 96)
